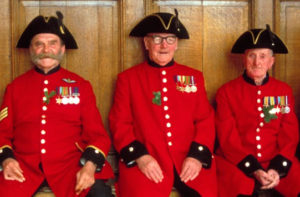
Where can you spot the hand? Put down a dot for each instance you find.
(191, 168)
(273, 174)
(150, 168)
(12, 170)
(85, 177)
(263, 178)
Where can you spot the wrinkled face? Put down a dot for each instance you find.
(46, 51)
(258, 62)
(161, 47)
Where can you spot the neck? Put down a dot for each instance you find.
(154, 64)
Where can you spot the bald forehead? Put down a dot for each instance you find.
(259, 50)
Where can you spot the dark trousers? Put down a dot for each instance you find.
(182, 188)
(99, 189)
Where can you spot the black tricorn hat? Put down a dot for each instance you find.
(259, 38)
(160, 22)
(42, 24)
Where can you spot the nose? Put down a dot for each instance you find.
(164, 43)
(255, 61)
(46, 48)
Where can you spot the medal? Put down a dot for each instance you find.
(65, 100)
(287, 109)
(187, 89)
(194, 88)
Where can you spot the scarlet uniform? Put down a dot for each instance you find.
(164, 112)
(256, 128)
(47, 121)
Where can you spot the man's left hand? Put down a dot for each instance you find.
(273, 174)
(190, 169)
(85, 177)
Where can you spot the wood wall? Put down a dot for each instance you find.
(101, 28)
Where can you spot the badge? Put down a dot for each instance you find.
(48, 96)
(68, 80)
(3, 113)
(157, 98)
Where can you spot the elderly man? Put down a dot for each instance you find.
(51, 133)
(257, 128)
(161, 120)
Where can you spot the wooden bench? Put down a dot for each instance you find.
(48, 193)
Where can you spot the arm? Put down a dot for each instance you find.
(131, 150)
(200, 153)
(230, 143)
(10, 166)
(94, 136)
(288, 138)
(121, 124)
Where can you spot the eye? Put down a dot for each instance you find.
(157, 39)
(38, 44)
(171, 39)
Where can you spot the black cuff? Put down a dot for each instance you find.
(249, 164)
(4, 154)
(131, 152)
(281, 164)
(202, 153)
(93, 155)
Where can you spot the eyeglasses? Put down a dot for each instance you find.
(159, 39)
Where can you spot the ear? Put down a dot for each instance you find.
(63, 48)
(272, 62)
(146, 42)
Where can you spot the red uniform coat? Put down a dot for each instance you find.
(151, 107)
(246, 125)
(54, 134)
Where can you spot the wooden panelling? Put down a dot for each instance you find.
(213, 27)
(95, 26)
(287, 67)
(5, 43)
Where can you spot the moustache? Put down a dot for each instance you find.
(46, 55)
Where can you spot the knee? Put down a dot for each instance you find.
(100, 189)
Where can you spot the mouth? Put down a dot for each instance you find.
(163, 53)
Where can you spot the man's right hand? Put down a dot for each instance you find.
(151, 169)
(12, 170)
(263, 177)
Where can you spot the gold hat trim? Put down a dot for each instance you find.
(257, 37)
(61, 30)
(162, 21)
(46, 18)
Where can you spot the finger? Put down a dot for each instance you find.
(184, 171)
(156, 175)
(19, 175)
(194, 175)
(187, 176)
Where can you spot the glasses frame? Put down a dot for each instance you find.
(162, 38)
